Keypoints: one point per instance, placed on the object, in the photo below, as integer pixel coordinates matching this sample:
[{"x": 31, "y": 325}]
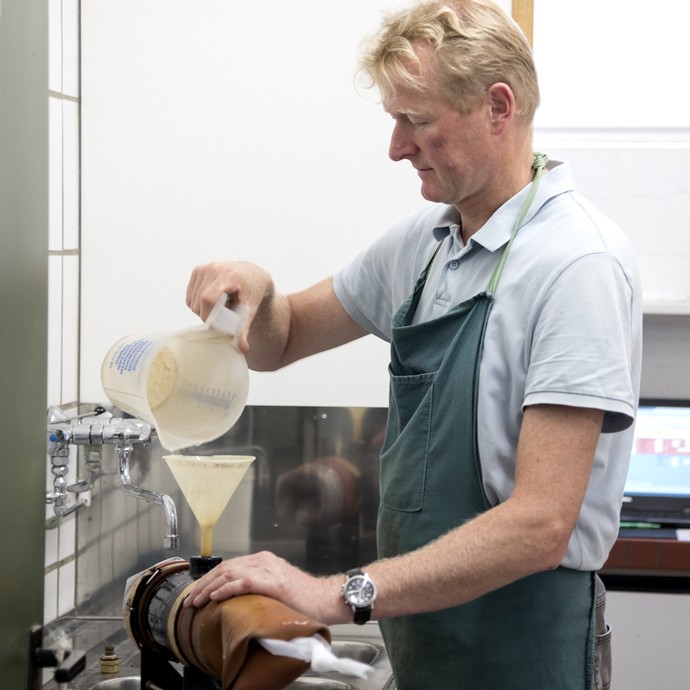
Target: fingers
[
  {"x": 207, "y": 283},
  {"x": 190, "y": 297},
  {"x": 257, "y": 574},
  {"x": 199, "y": 283},
  {"x": 217, "y": 585},
  {"x": 271, "y": 576}
]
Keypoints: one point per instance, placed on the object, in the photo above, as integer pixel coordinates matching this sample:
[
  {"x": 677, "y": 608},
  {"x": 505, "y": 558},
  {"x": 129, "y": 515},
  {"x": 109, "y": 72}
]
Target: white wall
[
  {"x": 650, "y": 640},
  {"x": 612, "y": 64},
  {"x": 233, "y": 131}
]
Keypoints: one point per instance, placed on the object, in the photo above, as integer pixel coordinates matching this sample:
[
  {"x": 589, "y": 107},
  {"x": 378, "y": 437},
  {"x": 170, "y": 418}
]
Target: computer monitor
[{"x": 657, "y": 488}]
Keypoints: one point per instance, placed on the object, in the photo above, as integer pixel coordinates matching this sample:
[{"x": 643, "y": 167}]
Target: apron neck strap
[{"x": 540, "y": 160}]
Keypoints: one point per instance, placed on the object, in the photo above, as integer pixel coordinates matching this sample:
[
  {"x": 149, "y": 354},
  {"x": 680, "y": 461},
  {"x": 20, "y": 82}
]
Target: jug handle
[{"x": 228, "y": 320}]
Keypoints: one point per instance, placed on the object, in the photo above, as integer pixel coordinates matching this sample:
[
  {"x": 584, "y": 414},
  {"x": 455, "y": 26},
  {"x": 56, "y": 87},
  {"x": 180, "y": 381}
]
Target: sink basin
[
  {"x": 126, "y": 683},
  {"x": 364, "y": 652},
  {"x": 134, "y": 683},
  {"x": 309, "y": 683},
  {"x": 347, "y": 643}
]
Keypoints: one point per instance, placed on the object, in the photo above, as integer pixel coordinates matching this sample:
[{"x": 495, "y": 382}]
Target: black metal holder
[
  {"x": 156, "y": 668},
  {"x": 200, "y": 565},
  {"x": 158, "y": 672}
]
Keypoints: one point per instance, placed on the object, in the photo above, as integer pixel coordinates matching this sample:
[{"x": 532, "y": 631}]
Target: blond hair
[{"x": 474, "y": 44}]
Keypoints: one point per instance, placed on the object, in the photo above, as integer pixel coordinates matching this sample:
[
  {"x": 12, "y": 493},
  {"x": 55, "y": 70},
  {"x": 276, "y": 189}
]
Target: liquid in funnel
[{"x": 208, "y": 483}]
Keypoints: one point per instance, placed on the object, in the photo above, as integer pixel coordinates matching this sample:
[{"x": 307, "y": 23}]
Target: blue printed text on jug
[{"x": 128, "y": 357}]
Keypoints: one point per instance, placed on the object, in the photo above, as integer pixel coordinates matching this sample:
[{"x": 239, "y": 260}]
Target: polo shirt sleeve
[
  {"x": 360, "y": 287},
  {"x": 580, "y": 353},
  {"x": 374, "y": 285}
]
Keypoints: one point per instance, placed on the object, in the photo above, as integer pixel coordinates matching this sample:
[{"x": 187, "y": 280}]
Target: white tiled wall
[{"x": 63, "y": 279}]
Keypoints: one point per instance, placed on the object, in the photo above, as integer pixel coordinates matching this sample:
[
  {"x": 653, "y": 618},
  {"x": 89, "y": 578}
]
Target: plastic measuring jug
[{"x": 191, "y": 385}]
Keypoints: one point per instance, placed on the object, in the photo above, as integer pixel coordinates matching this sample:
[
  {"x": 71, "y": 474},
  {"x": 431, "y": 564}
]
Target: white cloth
[
  {"x": 566, "y": 328},
  {"x": 318, "y": 653}
]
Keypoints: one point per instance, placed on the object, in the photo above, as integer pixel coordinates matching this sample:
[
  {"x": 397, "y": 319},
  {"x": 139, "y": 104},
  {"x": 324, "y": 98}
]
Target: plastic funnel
[{"x": 208, "y": 483}]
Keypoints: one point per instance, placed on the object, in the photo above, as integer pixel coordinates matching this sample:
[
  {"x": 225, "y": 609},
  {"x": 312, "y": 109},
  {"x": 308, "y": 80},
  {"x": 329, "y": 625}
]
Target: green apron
[{"x": 534, "y": 634}]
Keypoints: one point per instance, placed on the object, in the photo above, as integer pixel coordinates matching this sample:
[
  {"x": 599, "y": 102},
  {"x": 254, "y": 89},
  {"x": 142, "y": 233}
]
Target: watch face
[{"x": 360, "y": 590}]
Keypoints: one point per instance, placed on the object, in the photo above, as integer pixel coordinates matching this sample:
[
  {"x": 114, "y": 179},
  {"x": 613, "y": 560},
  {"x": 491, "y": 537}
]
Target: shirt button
[{"x": 453, "y": 265}]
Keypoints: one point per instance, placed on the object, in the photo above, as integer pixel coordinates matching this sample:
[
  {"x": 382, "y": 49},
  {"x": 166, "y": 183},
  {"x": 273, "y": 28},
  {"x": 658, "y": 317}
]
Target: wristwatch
[{"x": 359, "y": 592}]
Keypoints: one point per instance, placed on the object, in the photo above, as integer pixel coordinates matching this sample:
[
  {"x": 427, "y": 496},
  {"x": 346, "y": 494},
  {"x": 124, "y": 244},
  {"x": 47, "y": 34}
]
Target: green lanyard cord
[{"x": 540, "y": 160}]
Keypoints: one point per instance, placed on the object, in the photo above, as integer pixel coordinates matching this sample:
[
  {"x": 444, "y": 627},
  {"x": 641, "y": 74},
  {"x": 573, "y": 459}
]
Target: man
[{"x": 513, "y": 309}]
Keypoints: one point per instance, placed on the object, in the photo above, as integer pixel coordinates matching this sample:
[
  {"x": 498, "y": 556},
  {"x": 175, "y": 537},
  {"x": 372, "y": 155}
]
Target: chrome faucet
[
  {"x": 124, "y": 450},
  {"x": 59, "y": 437},
  {"x": 94, "y": 431}
]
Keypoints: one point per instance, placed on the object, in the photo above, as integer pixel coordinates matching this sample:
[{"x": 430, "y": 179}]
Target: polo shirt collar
[{"x": 496, "y": 231}]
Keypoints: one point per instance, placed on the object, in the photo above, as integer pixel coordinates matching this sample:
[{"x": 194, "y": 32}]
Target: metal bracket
[{"x": 68, "y": 665}]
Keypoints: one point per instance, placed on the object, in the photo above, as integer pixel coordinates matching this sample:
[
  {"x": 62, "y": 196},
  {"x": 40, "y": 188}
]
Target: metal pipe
[
  {"x": 93, "y": 465},
  {"x": 171, "y": 539},
  {"x": 59, "y": 461}
]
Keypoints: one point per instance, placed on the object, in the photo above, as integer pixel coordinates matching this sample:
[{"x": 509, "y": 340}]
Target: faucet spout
[{"x": 124, "y": 451}]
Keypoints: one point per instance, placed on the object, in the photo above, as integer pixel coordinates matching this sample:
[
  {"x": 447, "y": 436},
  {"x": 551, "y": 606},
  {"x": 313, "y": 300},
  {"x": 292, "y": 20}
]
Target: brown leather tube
[{"x": 220, "y": 639}]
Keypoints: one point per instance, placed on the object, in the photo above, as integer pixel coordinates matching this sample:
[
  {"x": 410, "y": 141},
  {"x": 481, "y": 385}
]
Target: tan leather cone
[{"x": 220, "y": 638}]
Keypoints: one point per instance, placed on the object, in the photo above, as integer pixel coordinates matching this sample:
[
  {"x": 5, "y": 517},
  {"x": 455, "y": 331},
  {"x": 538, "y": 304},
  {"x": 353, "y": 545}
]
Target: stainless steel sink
[
  {"x": 122, "y": 683},
  {"x": 366, "y": 652},
  {"x": 352, "y": 643},
  {"x": 318, "y": 684},
  {"x": 306, "y": 683},
  {"x": 362, "y": 644}
]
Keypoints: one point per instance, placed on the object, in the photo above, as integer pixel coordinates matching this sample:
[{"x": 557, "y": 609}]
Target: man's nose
[{"x": 401, "y": 146}]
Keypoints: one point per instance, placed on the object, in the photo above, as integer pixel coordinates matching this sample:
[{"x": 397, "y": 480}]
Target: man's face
[{"x": 448, "y": 149}]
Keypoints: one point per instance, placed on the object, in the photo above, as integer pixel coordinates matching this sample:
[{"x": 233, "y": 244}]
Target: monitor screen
[{"x": 658, "y": 481}]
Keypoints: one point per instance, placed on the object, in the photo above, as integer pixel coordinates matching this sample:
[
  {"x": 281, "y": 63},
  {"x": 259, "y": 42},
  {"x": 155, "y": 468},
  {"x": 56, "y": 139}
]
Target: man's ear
[{"x": 502, "y": 104}]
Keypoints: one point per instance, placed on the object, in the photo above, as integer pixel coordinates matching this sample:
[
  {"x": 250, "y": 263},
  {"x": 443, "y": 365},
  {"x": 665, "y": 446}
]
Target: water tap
[{"x": 94, "y": 431}]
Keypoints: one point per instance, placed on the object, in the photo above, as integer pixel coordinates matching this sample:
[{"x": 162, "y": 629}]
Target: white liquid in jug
[
  {"x": 191, "y": 385},
  {"x": 161, "y": 379}
]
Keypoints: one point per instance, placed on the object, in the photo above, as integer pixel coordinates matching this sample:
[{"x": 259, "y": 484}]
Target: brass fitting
[{"x": 110, "y": 662}]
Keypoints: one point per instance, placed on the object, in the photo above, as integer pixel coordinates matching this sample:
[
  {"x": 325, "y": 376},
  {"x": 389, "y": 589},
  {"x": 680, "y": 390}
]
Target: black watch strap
[{"x": 361, "y": 615}]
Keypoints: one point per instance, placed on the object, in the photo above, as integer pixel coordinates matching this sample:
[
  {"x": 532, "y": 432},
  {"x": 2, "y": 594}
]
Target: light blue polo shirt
[{"x": 566, "y": 327}]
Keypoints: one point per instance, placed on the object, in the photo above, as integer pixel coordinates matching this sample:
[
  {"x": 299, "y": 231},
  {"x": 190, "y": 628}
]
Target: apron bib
[{"x": 534, "y": 634}]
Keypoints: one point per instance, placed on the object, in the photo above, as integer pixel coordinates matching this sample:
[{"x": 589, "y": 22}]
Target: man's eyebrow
[{"x": 408, "y": 112}]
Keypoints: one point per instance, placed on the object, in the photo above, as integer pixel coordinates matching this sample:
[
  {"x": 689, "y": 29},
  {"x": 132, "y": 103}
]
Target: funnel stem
[{"x": 207, "y": 540}]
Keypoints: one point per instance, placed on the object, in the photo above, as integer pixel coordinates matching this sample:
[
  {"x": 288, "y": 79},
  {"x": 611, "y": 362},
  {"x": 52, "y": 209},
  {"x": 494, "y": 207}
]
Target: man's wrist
[{"x": 359, "y": 593}]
